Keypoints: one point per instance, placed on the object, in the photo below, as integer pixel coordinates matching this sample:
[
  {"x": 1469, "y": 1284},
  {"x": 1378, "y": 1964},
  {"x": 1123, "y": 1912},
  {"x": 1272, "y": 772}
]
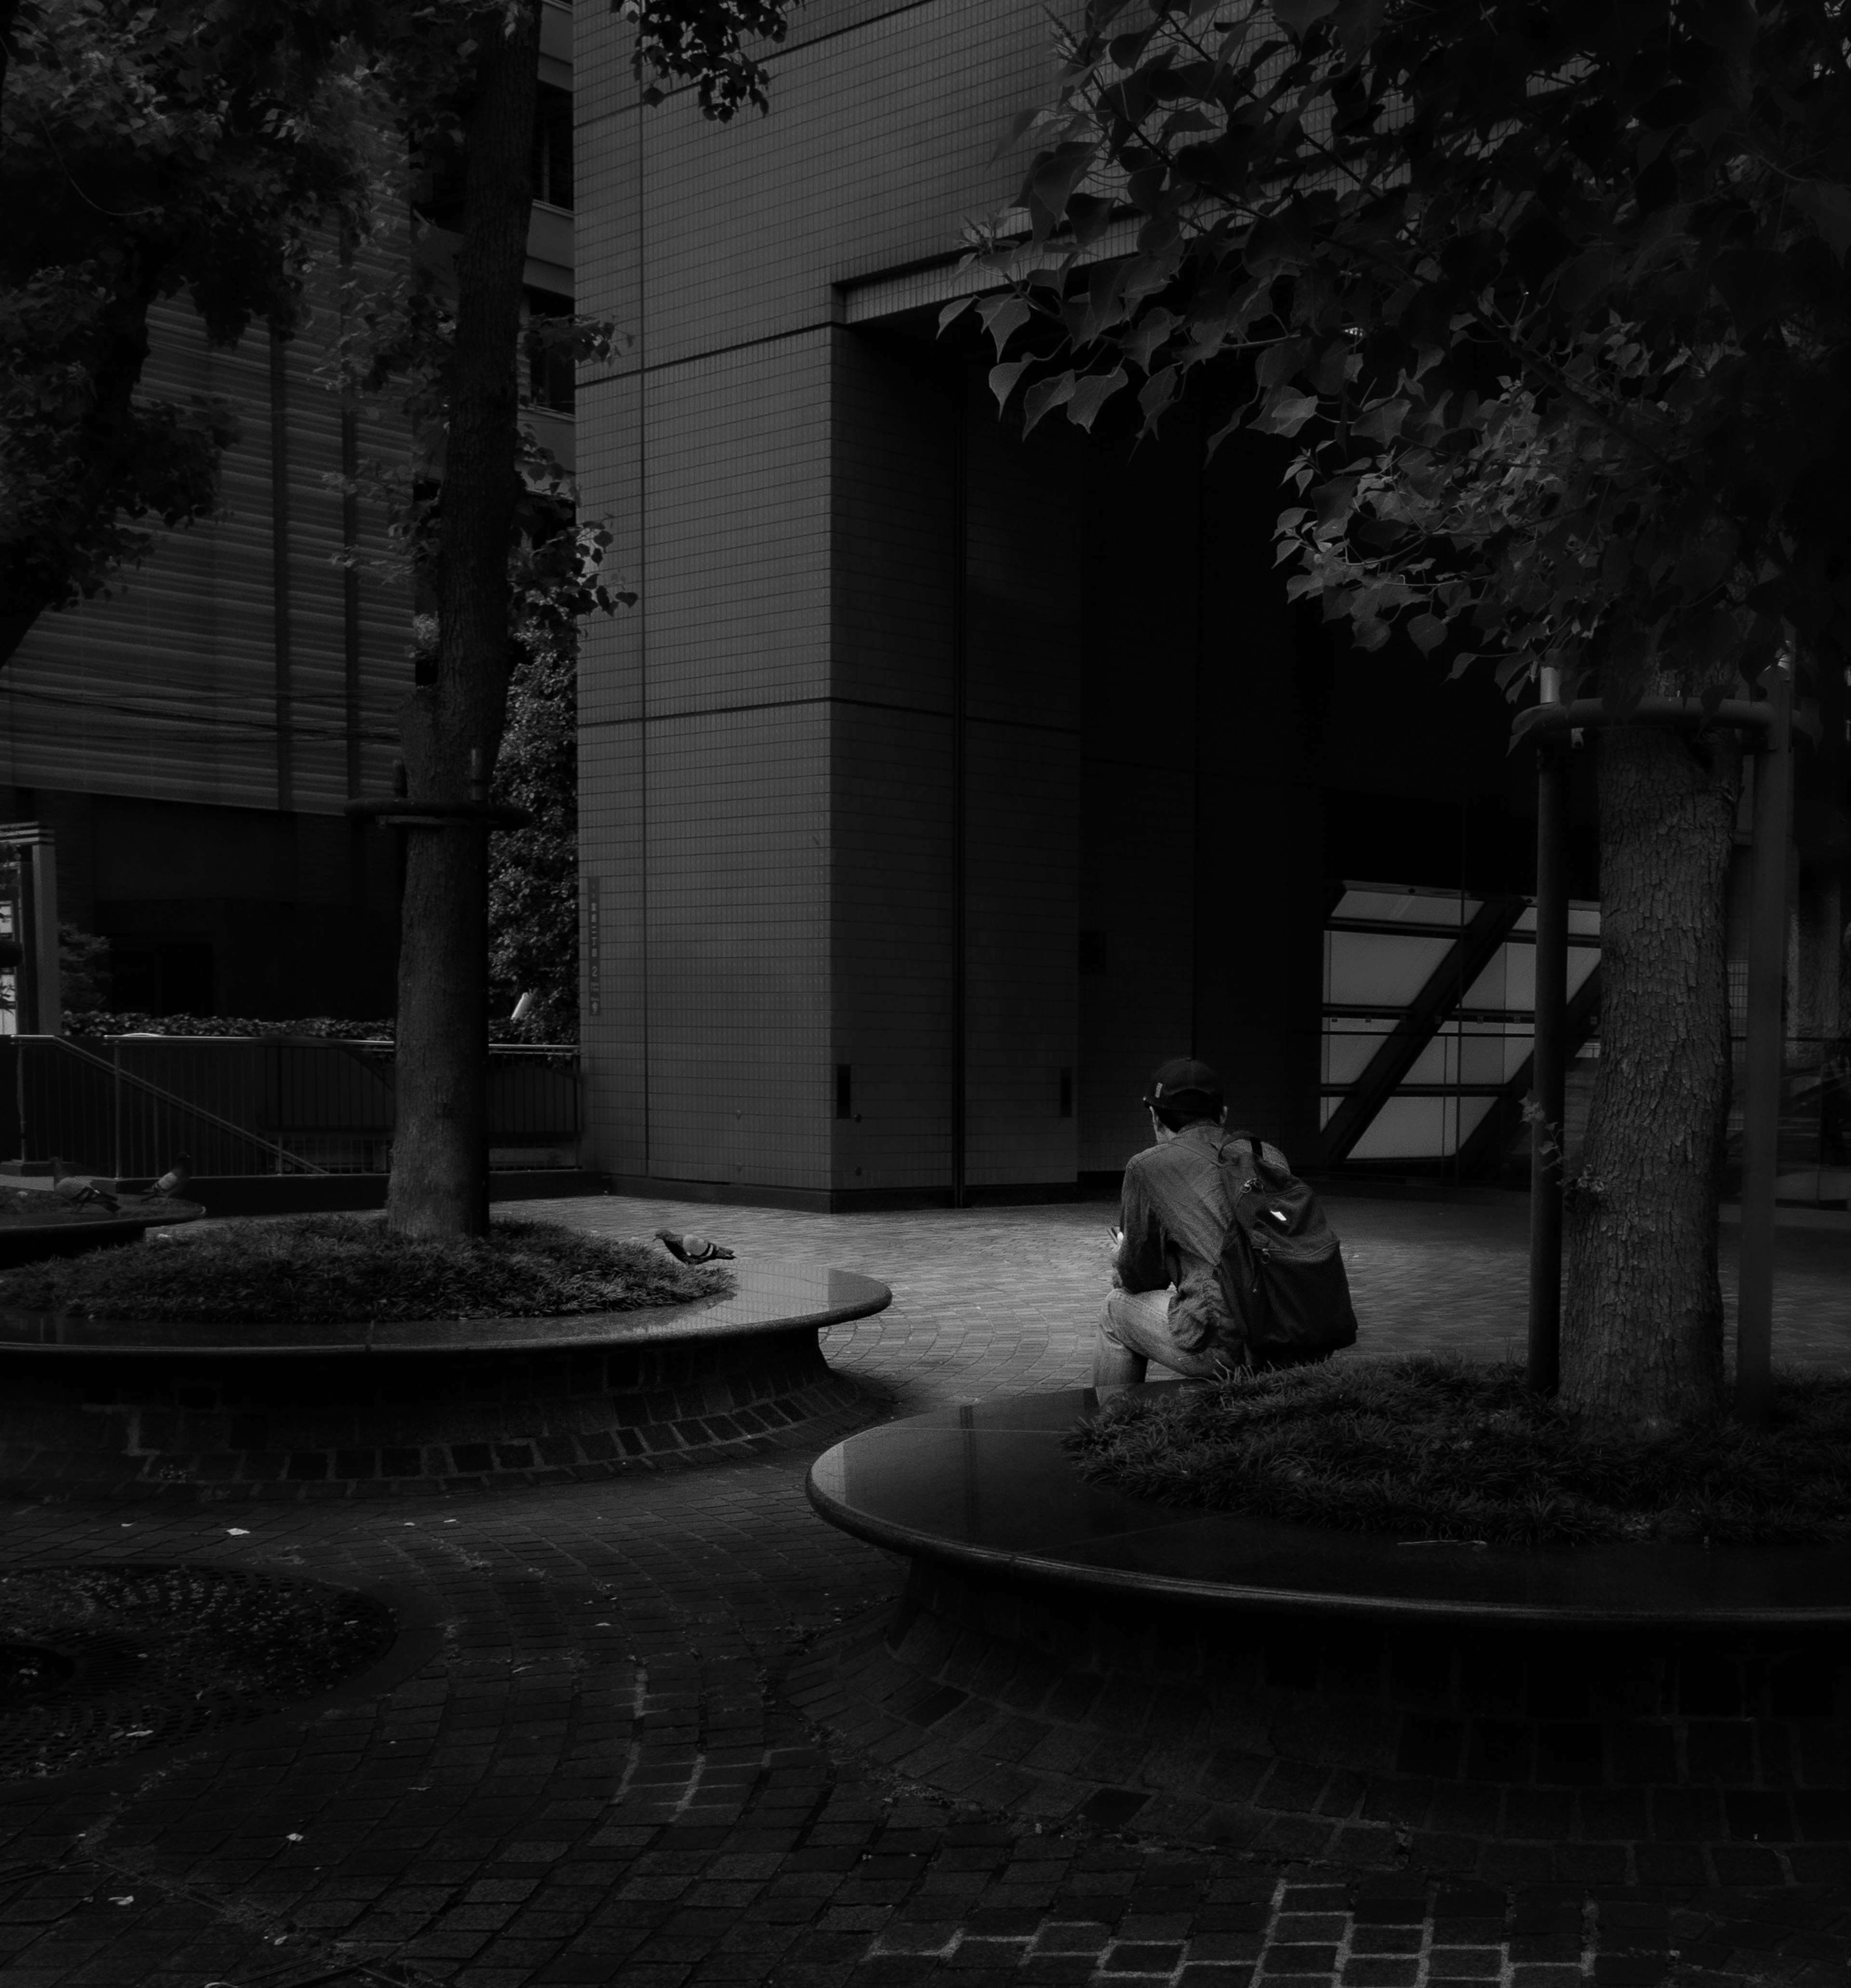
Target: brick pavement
[{"x": 592, "y": 1777}]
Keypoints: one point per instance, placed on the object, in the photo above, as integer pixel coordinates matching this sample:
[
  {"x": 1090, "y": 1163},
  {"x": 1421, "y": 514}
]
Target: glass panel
[
  {"x": 1348, "y": 1046},
  {"x": 1405, "y": 1128},
  {"x": 1416, "y": 907},
  {"x": 1378, "y": 969}
]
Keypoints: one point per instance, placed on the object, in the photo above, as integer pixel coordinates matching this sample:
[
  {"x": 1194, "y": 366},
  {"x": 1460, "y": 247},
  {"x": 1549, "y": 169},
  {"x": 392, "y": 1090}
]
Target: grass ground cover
[
  {"x": 1423, "y": 1447},
  {"x": 325, "y": 1270}
]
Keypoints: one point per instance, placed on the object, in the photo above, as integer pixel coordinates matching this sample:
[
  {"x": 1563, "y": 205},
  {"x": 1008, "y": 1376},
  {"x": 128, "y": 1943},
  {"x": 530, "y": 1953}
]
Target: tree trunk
[
  {"x": 1643, "y": 1330},
  {"x": 451, "y": 727}
]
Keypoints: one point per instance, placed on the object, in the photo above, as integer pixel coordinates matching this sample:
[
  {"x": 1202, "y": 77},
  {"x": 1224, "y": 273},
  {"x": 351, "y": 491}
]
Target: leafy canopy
[
  {"x": 1552, "y": 294},
  {"x": 146, "y": 149},
  {"x": 216, "y": 150}
]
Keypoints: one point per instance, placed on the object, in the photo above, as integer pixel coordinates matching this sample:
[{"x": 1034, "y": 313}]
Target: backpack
[{"x": 1281, "y": 1271}]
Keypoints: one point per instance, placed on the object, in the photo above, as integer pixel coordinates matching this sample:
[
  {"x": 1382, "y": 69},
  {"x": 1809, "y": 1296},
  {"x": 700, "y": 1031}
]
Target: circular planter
[
  {"x": 1633, "y": 1713},
  {"x": 111, "y": 1405},
  {"x": 25, "y": 1242}
]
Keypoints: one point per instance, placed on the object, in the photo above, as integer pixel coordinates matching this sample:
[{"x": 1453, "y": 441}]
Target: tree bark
[
  {"x": 451, "y": 727},
  {"x": 1643, "y": 1330}
]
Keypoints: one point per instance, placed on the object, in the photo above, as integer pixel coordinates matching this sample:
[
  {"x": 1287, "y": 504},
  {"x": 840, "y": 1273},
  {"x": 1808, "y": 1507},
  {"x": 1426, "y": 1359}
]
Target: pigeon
[
  {"x": 174, "y": 1180},
  {"x": 691, "y": 1249},
  {"x": 80, "y": 1189}
]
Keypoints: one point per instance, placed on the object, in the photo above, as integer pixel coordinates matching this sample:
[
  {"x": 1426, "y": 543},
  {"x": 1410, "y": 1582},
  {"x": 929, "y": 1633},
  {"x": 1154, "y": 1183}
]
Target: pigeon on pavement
[{"x": 691, "y": 1249}]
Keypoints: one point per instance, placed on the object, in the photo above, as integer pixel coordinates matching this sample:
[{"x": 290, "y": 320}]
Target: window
[
  {"x": 553, "y": 145},
  {"x": 551, "y": 369}
]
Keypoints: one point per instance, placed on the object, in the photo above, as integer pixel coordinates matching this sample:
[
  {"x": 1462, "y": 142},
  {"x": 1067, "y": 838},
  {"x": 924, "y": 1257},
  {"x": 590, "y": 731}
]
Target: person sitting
[{"x": 1174, "y": 1221}]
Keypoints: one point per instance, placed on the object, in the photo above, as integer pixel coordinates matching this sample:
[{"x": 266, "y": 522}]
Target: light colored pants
[{"x": 1134, "y": 1329}]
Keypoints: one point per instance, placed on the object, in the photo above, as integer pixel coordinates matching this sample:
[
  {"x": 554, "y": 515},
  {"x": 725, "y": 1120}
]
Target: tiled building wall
[
  {"x": 838, "y": 546},
  {"x": 705, "y": 820},
  {"x": 766, "y": 811}
]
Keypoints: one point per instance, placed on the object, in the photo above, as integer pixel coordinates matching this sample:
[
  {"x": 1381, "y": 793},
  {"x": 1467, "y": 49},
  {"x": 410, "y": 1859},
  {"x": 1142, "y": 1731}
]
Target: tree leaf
[
  {"x": 1296, "y": 16},
  {"x": 1582, "y": 282},
  {"x": 1092, "y": 394},
  {"x": 1023, "y": 122},
  {"x": 1003, "y": 317},
  {"x": 1827, "y": 206},
  {"x": 1754, "y": 283},
  {"x": 1089, "y": 216},
  {"x": 1280, "y": 361},
  {"x": 1043, "y": 396},
  {"x": 1003, "y": 379},
  {"x": 1427, "y": 632},
  {"x": 1286, "y": 412}
]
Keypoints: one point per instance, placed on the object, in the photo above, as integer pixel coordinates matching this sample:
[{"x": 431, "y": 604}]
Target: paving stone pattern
[{"x": 595, "y": 1778}]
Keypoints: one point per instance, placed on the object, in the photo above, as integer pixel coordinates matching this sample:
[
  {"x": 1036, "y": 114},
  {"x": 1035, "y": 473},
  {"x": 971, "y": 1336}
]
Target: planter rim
[
  {"x": 769, "y": 1296},
  {"x": 987, "y": 1487}
]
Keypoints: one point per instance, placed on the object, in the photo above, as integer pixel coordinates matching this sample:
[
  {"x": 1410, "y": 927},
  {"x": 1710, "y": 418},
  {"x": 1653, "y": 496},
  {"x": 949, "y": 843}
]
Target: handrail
[
  {"x": 176, "y": 1102},
  {"x": 1589, "y": 713}
]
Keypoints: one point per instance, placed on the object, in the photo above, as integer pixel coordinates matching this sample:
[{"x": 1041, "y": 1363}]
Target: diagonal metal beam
[
  {"x": 1482, "y": 1152},
  {"x": 1465, "y": 959}
]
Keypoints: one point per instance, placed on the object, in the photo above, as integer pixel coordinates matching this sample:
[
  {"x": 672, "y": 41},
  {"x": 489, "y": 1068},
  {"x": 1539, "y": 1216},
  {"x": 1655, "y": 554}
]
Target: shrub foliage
[
  {"x": 1431, "y": 1448},
  {"x": 327, "y": 1270}
]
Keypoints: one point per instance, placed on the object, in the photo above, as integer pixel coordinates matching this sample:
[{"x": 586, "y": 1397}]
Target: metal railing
[{"x": 127, "y": 1105}]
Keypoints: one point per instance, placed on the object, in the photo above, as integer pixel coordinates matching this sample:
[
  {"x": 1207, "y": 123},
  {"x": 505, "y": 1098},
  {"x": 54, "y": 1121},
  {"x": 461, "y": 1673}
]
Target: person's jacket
[{"x": 1176, "y": 1209}]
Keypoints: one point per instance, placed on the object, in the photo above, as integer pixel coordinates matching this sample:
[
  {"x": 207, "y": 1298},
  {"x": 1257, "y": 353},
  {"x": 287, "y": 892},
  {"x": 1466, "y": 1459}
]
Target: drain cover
[{"x": 103, "y": 1661}]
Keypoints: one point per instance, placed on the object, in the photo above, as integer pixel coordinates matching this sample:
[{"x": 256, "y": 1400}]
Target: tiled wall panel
[
  {"x": 611, "y": 476},
  {"x": 896, "y": 412},
  {"x": 737, "y": 936},
  {"x": 709, "y": 695},
  {"x": 613, "y": 862},
  {"x": 734, "y": 566},
  {"x": 891, "y": 953},
  {"x": 877, "y": 146}
]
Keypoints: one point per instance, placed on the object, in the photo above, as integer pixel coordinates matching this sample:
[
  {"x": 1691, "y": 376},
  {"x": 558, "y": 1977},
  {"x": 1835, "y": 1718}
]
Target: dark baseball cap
[{"x": 1185, "y": 1084}]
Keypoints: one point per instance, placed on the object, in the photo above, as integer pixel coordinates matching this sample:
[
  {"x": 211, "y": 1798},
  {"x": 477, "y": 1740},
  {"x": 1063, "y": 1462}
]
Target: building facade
[
  {"x": 192, "y": 737},
  {"x": 943, "y": 783}
]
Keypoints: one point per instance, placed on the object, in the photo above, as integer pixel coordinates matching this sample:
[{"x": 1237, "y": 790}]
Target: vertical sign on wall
[
  {"x": 591, "y": 939},
  {"x": 29, "y": 930}
]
